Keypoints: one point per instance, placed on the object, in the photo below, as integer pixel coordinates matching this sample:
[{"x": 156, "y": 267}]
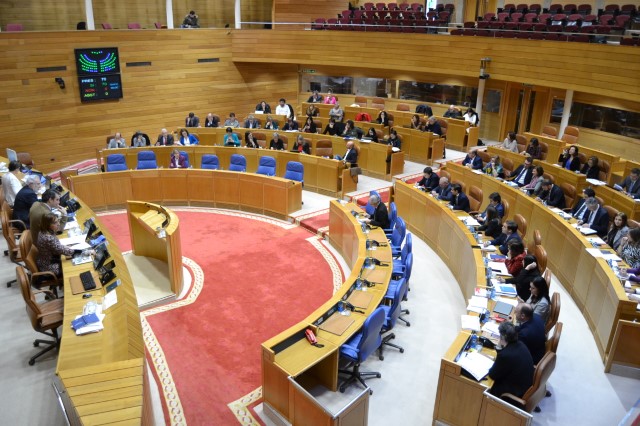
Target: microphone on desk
[
  {"x": 374, "y": 243},
  {"x": 374, "y": 261},
  {"x": 352, "y": 308}
]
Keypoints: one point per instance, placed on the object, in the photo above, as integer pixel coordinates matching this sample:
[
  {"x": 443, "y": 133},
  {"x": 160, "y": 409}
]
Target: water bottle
[
  {"x": 474, "y": 341},
  {"x": 358, "y": 284},
  {"x": 493, "y": 293}
]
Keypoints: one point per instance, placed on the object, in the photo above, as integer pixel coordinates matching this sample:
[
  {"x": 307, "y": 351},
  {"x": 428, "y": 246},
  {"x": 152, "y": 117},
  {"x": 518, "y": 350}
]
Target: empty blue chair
[
  {"x": 368, "y": 207},
  {"x": 399, "y": 265},
  {"x": 393, "y": 216},
  {"x": 210, "y": 161},
  {"x": 147, "y": 160},
  {"x": 238, "y": 163},
  {"x": 392, "y": 313},
  {"x": 267, "y": 166},
  {"x": 360, "y": 346},
  {"x": 294, "y": 171},
  {"x": 116, "y": 163},
  {"x": 393, "y": 284},
  {"x": 397, "y": 236}
]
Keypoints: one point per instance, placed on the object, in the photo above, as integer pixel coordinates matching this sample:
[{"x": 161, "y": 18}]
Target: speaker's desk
[{"x": 289, "y": 362}]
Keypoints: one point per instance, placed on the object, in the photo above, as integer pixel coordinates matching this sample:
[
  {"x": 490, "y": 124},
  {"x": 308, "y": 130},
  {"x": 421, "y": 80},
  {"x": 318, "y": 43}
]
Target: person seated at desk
[
  {"x": 394, "y": 141},
  {"x": 522, "y": 281},
  {"x": 283, "y": 109},
  {"x": 187, "y": 139},
  {"x": 270, "y": 123},
  {"x": 531, "y": 329},
  {"x": 580, "y": 208},
  {"x": 629, "y": 249},
  {"x": 192, "y": 120},
  {"x": 177, "y": 160},
  {"x": 523, "y": 173},
  {"x": 459, "y": 200},
  {"x": 433, "y": 126},
  {"x": 315, "y": 98},
  {"x": 534, "y": 187},
  {"x": 291, "y": 125},
  {"x": 11, "y": 183},
  {"x": 443, "y": 190},
  {"x": 264, "y": 107},
  {"x": 591, "y": 168},
  {"x": 336, "y": 113},
  {"x": 380, "y": 216},
  {"x": 634, "y": 274},
  {"x": 49, "y": 247},
  {"x": 494, "y": 168},
  {"x": 631, "y": 184},
  {"x": 50, "y": 204},
  {"x": 312, "y": 111},
  {"x": 383, "y": 118},
  {"x": 533, "y": 149},
  {"x": 230, "y": 138},
  {"x": 515, "y": 257},
  {"x": 471, "y": 117},
  {"x": 351, "y": 131},
  {"x": 301, "y": 145},
  {"x": 509, "y": 232},
  {"x": 140, "y": 139},
  {"x": 472, "y": 160},
  {"x": 429, "y": 179},
  {"x": 510, "y": 143},
  {"x": 372, "y": 135},
  {"x": 231, "y": 121},
  {"x": 331, "y": 128},
  {"x": 416, "y": 123},
  {"x": 617, "y": 231},
  {"x": 495, "y": 201},
  {"x": 452, "y": 112},
  {"x": 251, "y": 122},
  {"x": 276, "y": 143},
  {"x": 491, "y": 226},
  {"x": 211, "y": 121},
  {"x": 539, "y": 299},
  {"x": 250, "y": 141},
  {"x": 569, "y": 159},
  {"x": 330, "y": 99},
  {"x": 512, "y": 371},
  {"x": 596, "y": 217},
  {"x": 165, "y": 138},
  {"x": 191, "y": 20},
  {"x": 552, "y": 195},
  {"x": 350, "y": 156},
  {"x": 117, "y": 141},
  {"x": 25, "y": 198}
]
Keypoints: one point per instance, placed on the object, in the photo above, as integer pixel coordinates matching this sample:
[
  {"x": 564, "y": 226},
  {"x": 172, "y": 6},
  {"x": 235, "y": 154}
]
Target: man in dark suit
[
  {"x": 351, "y": 156},
  {"x": 631, "y": 184},
  {"x": 25, "y": 198},
  {"x": 251, "y": 122},
  {"x": 596, "y": 217},
  {"x": 509, "y": 232},
  {"x": 165, "y": 138},
  {"x": 192, "y": 121},
  {"x": 512, "y": 372},
  {"x": 276, "y": 143},
  {"x": 443, "y": 190},
  {"x": 523, "y": 173},
  {"x": 472, "y": 160},
  {"x": 429, "y": 179},
  {"x": 380, "y": 215},
  {"x": 531, "y": 331},
  {"x": 50, "y": 204},
  {"x": 433, "y": 126},
  {"x": 459, "y": 200},
  {"x": 580, "y": 208},
  {"x": 552, "y": 195}
]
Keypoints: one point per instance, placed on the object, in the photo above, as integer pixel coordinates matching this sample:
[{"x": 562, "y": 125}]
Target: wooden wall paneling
[
  {"x": 119, "y": 13},
  {"x": 299, "y": 11}
]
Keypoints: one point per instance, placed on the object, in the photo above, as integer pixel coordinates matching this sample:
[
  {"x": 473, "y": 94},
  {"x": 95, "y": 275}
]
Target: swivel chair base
[
  {"x": 386, "y": 340},
  {"x": 51, "y": 344},
  {"x": 357, "y": 375},
  {"x": 401, "y": 317}
]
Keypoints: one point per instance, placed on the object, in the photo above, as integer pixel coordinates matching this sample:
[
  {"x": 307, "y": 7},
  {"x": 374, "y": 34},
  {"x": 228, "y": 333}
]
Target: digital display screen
[
  {"x": 102, "y": 87},
  {"x": 99, "y": 60}
]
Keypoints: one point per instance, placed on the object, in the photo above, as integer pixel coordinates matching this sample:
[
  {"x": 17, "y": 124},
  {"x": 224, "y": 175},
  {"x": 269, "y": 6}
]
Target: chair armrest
[
  {"x": 45, "y": 274},
  {"x": 514, "y": 398},
  {"x": 18, "y": 221},
  {"x": 45, "y": 292}
]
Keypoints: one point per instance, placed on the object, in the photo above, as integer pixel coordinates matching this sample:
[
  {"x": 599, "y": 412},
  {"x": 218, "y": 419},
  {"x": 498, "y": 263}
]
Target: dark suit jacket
[
  {"x": 512, "y": 371},
  {"x": 492, "y": 228},
  {"x": 430, "y": 183},
  {"x": 434, "y": 128},
  {"x": 504, "y": 247},
  {"x": 381, "y": 217},
  {"x": 522, "y": 282},
  {"x": 600, "y": 222},
  {"x": 21, "y": 206},
  {"x": 627, "y": 185},
  {"x": 591, "y": 172},
  {"x": 531, "y": 333},
  {"x": 277, "y": 145},
  {"x": 554, "y": 197},
  {"x": 213, "y": 123},
  {"x": 169, "y": 140},
  {"x": 351, "y": 156},
  {"x": 193, "y": 122},
  {"x": 252, "y": 124},
  {"x": 292, "y": 126},
  {"x": 461, "y": 202},
  {"x": 444, "y": 193},
  {"x": 527, "y": 177},
  {"x": 576, "y": 209},
  {"x": 575, "y": 163},
  {"x": 476, "y": 162}
]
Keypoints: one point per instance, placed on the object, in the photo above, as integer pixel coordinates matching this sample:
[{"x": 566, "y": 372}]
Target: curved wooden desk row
[
  {"x": 609, "y": 196},
  {"x": 289, "y": 354},
  {"x": 273, "y": 196},
  {"x": 101, "y": 377},
  {"x": 372, "y": 158}
]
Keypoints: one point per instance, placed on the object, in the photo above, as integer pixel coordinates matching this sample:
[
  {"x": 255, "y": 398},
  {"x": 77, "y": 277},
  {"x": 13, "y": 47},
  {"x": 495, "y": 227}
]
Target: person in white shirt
[
  {"x": 283, "y": 108},
  {"x": 10, "y": 182},
  {"x": 510, "y": 143}
]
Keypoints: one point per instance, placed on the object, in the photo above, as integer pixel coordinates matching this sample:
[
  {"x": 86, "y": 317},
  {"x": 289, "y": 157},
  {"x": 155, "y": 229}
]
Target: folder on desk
[
  {"x": 475, "y": 364},
  {"x": 360, "y": 299},
  {"x": 337, "y": 324}
]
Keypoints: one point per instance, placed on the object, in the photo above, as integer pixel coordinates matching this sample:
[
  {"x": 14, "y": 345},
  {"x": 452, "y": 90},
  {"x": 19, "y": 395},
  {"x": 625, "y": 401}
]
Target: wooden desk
[
  {"x": 272, "y": 196},
  {"x": 144, "y": 221},
  {"x": 457, "y": 137},
  {"x": 289, "y": 354},
  {"x": 621, "y": 170},
  {"x": 619, "y": 201},
  {"x": 418, "y": 145}
]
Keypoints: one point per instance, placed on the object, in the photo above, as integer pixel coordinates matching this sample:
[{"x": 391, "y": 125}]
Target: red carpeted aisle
[{"x": 259, "y": 279}]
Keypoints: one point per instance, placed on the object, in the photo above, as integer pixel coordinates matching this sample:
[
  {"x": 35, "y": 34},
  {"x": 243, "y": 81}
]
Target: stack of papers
[
  {"x": 475, "y": 364},
  {"x": 489, "y": 248},
  {"x": 499, "y": 267},
  {"x": 506, "y": 290},
  {"x": 469, "y": 221},
  {"x": 596, "y": 240},
  {"x": 477, "y": 304},
  {"x": 596, "y": 182},
  {"x": 509, "y": 301},
  {"x": 587, "y": 231},
  {"x": 92, "y": 327},
  {"x": 481, "y": 292},
  {"x": 470, "y": 322},
  {"x": 491, "y": 327},
  {"x": 511, "y": 183}
]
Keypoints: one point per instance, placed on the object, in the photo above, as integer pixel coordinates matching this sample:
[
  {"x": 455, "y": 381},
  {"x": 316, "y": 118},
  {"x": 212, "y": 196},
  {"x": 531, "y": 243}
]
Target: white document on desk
[
  {"x": 72, "y": 240},
  {"x": 596, "y": 240},
  {"x": 470, "y": 322},
  {"x": 71, "y": 224},
  {"x": 499, "y": 267},
  {"x": 596, "y": 182},
  {"x": 595, "y": 252},
  {"x": 475, "y": 364},
  {"x": 469, "y": 221},
  {"x": 587, "y": 231},
  {"x": 109, "y": 300},
  {"x": 491, "y": 327},
  {"x": 508, "y": 300},
  {"x": 611, "y": 256},
  {"x": 489, "y": 248}
]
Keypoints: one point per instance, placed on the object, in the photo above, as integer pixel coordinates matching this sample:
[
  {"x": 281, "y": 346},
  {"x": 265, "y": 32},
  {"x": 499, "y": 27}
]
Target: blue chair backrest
[
  {"x": 238, "y": 163},
  {"x": 408, "y": 265},
  {"x": 116, "y": 163},
  {"x": 371, "y": 338},
  {"x": 406, "y": 249},
  {"x": 210, "y": 161},
  {"x": 267, "y": 166},
  {"x": 147, "y": 160},
  {"x": 395, "y": 310},
  {"x": 368, "y": 207},
  {"x": 393, "y": 214},
  {"x": 398, "y": 232},
  {"x": 295, "y": 171},
  {"x": 186, "y": 157}
]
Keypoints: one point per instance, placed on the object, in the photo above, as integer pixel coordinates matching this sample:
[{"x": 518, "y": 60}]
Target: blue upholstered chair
[
  {"x": 186, "y": 157},
  {"x": 210, "y": 161},
  {"x": 368, "y": 207},
  {"x": 393, "y": 216},
  {"x": 360, "y": 346},
  {"x": 267, "y": 166},
  {"x": 405, "y": 276},
  {"x": 238, "y": 163},
  {"x": 116, "y": 163},
  {"x": 397, "y": 237},
  {"x": 294, "y": 171},
  {"x": 147, "y": 160},
  {"x": 399, "y": 265},
  {"x": 392, "y": 313}
]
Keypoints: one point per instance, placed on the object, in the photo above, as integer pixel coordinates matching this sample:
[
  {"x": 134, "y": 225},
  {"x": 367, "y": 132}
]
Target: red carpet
[
  {"x": 259, "y": 279},
  {"x": 318, "y": 223},
  {"x": 363, "y": 198}
]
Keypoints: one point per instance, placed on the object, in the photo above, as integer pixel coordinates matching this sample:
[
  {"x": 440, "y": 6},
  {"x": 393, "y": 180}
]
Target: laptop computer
[{"x": 502, "y": 309}]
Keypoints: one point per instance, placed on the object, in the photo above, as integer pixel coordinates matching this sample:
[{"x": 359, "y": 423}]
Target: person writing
[
  {"x": 512, "y": 371},
  {"x": 301, "y": 145},
  {"x": 191, "y": 20},
  {"x": 443, "y": 190},
  {"x": 551, "y": 195},
  {"x": 631, "y": 184},
  {"x": 372, "y": 135},
  {"x": 472, "y": 160},
  {"x": 49, "y": 247},
  {"x": 380, "y": 216},
  {"x": 596, "y": 217},
  {"x": 429, "y": 179},
  {"x": 276, "y": 143},
  {"x": 10, "y": 182},
  {"x": 533, "y": 149},
  {"x": 331, "y": 128},
  {"x": 177, "y": 161},
  {"x": 230, "y": 138}
]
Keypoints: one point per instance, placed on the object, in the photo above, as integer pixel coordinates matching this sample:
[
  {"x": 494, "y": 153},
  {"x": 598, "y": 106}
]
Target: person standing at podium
[{"x": 512, "y": 372}]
